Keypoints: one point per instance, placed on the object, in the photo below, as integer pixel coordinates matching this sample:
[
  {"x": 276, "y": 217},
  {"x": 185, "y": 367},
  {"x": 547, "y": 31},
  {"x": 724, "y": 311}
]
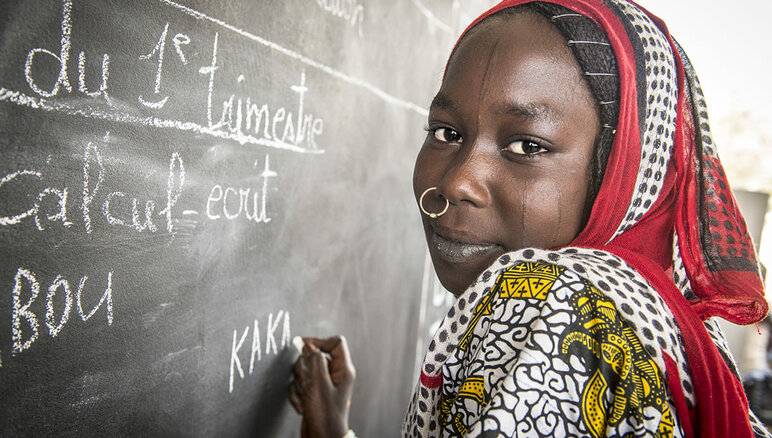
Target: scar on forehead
[{"x": 486, "y": 78}]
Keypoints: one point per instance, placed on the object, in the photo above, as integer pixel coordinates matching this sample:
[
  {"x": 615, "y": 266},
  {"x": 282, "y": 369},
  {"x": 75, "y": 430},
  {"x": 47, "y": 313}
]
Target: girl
[{"x": 574, "y": 203}]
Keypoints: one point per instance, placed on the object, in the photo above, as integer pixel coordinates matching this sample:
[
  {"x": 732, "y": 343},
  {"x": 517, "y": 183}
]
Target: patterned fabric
[
  {"x": 564, "y": 363},
  {"x": 607, "y": 337},
  {"x": 517, "y": 353}
]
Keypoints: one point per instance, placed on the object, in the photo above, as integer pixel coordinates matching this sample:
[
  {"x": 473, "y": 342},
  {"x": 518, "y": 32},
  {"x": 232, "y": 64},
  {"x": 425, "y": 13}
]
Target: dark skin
[
  {"x": 322, "y": 386},
  {"x": 510, "y": 139}
]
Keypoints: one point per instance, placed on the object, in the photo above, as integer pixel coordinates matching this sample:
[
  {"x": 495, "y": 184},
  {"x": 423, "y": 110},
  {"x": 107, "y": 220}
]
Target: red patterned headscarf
[
  {"x": 663, "y": 174},
  {"x": 665, "y": 209}
]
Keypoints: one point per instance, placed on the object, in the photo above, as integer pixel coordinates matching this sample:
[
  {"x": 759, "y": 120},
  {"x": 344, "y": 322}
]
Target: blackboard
[{"x": 184, "y": 186}]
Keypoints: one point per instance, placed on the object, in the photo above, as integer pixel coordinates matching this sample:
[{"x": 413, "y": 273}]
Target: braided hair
[{"x": 593, "y": 51}]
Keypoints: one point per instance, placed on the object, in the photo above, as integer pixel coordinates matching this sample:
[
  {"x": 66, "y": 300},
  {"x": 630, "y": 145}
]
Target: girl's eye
[
  {"x": 446, "y": 135},
  {"x": 525, "y": 147}
]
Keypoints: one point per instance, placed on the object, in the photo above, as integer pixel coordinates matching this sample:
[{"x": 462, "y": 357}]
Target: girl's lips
[{"x": 459, "y": 252}]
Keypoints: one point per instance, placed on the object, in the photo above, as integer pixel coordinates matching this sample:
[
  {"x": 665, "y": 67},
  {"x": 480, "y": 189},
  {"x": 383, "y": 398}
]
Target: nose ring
[{"x": 421, "y": 204}]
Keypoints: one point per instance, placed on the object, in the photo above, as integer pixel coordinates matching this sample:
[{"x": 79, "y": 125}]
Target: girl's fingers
[
  {"x": 318, "y": 367},
  {"x": 295, "y": 397}
]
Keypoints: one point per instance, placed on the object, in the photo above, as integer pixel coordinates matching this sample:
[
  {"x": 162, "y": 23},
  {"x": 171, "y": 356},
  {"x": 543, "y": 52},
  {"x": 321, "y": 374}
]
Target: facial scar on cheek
[{"x": 556, "y": 231}]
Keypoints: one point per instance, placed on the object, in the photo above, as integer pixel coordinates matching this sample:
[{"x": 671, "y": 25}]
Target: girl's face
[{"x": 511, "y": 136}]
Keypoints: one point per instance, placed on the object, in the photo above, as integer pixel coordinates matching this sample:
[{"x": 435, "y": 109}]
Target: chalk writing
[
  {"x": 54, "y": 327},
  {"x": 35, "y": 210},
  {"x": 62, "y": 57},
  {"x": 241, "y": 117},
  {"x": 15, "y": 219},
  {"x": 173, "y": 189},
  {"x": 141, "y": 214},
  {"x": 88, "y": 191},
  {"x": 78, "y": 108},
  {"x": 282, "y": 319},
  {"x": 26, "y": 286},
  {"x": 82, "y": 77},
  {"x": 179, "y": 40},
  {"x": 159, "y": 48},
  {"x": 351, "y": 11},
  {"x": 225, "y": 199}
]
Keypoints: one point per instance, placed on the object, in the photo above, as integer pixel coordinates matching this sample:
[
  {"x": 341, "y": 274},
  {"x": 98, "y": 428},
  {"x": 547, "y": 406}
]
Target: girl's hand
[{"x": 322, "y": 386}]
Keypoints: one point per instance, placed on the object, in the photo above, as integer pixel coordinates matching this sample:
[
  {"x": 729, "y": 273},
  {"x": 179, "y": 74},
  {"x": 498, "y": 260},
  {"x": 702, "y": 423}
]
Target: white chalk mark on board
[
  {"x": 234, "y": 107},
  {"x": 255, "y": 347},
  {"x": 180, "y": 40},
  {"x": 158, "y": 48},
  {"x": 235, "y": 357},
  {"x": 154, "y": 105},
  {"x": 82, "y": 77},
  {"x": 136, "y": 221},
  {"x": 270, "y": 339},
  {"x": 50, "y": 204},
  {"x": 64, "y": 54},
  {"x": 22, "y": 311},
  {"x": 15, "y": 219},
  {"x": 305, "y": 60},
  {"x": 112, "y": 220},
  {"x": 212, "y": 197},
  {"x": 22, "y": 99},
  {"x": 286, "y": 338},
  {"x": 305, "y": 127},
  {"x": 88, "y": 191},
  {"x": 173, "y": 189},
  {"x": 190, "y": 213},
  {"x": 61, "y": 215},
  {"x": 267, "y": 173},
  {"x": 431, "y": 17},
  {"x": 351, "y": 11},
  {"x": 225, "y": 199},
  {"x": 62, "y": 203},
  {"x": 107, "y": 299},
  {"x": 55, "y": 327},
  {"x": 210, "y": 70},
  {"x": 281, "y": 319}
]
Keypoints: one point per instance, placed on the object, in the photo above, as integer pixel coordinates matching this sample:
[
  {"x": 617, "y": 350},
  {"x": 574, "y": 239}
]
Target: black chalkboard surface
[{"x": 185, "y": 185}]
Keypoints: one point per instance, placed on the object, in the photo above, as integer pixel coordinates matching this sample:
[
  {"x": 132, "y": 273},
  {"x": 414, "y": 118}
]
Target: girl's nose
[{"x": 465, "y": 180}]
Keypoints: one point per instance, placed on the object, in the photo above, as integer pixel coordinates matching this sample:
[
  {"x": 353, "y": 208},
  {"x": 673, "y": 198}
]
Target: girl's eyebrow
[
  {"x": 533, "y": 111},
  {"x": 443, "y": 102}
]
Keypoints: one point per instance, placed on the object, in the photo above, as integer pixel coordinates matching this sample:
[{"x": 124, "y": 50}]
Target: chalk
[{"x": 297, "y": 341}]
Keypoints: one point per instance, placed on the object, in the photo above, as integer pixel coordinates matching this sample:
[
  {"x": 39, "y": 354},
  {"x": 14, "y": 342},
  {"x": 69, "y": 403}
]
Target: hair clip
[
  {"x": 565, "y": 15},
  {"x": 600, "y": 43}
]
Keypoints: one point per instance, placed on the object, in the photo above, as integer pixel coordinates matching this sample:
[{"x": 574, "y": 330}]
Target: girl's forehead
[
  {"x": 523, "y": 51},
  {"x": 526, "y": 30},
  {"x": 498, "y": 26}
]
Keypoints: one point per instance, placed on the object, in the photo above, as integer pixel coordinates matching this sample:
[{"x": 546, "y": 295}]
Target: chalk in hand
[{"x": 297, "y": 341}]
